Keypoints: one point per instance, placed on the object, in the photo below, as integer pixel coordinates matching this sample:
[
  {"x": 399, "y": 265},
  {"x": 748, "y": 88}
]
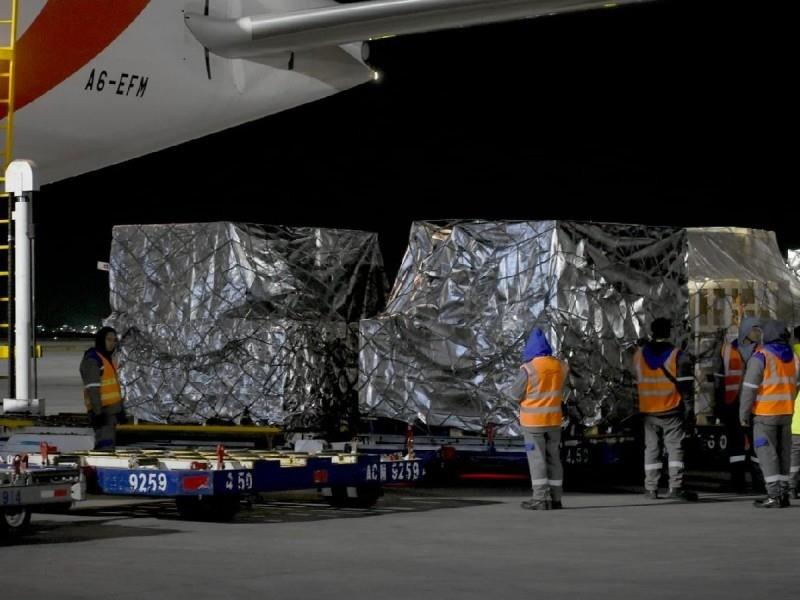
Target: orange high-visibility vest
[
  {"x": 110, "y": 390},
  {"x": 544, "y": 393},
  {"x": 778, "y": 389},
  {"x": 733, "y": 368},
  {"x": 657, "y": 392}
]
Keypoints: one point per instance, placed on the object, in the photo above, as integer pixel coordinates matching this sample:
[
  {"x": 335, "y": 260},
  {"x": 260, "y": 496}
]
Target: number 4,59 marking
[{"x": 241, "y": 480}]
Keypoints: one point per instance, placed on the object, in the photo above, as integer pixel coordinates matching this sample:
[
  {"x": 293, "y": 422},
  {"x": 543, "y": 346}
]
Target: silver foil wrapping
[
  {"x": 226, "y": 320},
  {"x": 449, "y": 344},
  {"x": 793, "y": 260},
  {"x": 733, "y": 273}
]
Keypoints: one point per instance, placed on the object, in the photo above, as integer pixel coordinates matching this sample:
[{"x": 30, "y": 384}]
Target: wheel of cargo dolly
[
  {"x": 208, "y": 508},
  {"x": 14, "y": 521},
  {"x": 367, "y": 497}
]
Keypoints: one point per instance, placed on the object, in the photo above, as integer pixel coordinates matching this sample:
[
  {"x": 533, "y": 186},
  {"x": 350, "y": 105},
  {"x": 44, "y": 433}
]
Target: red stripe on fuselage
[{"x": 65, "y": 36}]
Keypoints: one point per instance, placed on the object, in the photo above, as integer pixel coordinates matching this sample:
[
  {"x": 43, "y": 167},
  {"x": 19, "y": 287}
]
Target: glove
[{"x": 122, "y": 418}]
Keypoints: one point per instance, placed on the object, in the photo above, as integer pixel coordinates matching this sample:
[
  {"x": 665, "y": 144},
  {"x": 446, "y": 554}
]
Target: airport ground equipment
[{"x": 36, "y": 482}]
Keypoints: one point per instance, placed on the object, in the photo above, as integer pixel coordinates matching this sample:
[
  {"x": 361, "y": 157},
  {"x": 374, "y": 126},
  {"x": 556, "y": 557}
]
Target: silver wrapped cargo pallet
[
  {"x": 229, "y": 321},
  {"x": 733, "y": 273},
  {"x": 468, "y": 293}
]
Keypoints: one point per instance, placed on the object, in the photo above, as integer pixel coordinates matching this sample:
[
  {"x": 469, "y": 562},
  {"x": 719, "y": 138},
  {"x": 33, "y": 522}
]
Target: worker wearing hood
[
  {"x": 665, "y": 384},
  {"x": 102, "y": 393},
  {"x": 767, "y": 399},
  {"x": 539, "y": 389},
  {"x": 729, "y": 365}
]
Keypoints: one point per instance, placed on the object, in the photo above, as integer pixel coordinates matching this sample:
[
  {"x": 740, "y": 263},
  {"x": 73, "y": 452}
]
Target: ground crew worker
[
  {"x": 539, "y": 388},
  {"x": 768, "y": 393},
  {"x": 665, "y": 384},
  {"x": 728, "y": 366},
  {"x": 794, "y": 471},
  {"x": 101, "y": 389}
]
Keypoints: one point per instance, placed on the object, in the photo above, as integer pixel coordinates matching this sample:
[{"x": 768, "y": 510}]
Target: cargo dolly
[
  {"x": 211, "y": 485},
  {"x": 30, "y": 483}
]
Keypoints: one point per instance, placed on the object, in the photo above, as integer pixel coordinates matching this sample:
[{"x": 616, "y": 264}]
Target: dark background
[{"x": 673, "y": 113}]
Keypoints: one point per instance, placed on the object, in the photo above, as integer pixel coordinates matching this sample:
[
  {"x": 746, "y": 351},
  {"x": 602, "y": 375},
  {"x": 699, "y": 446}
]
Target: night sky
[{"x": 674, "y": 113}]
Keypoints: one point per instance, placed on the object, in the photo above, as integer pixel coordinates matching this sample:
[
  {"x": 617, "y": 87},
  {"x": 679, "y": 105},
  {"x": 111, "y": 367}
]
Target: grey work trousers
[
  {"x": 671, "y": 428},
  {"x": 105, "y": 434},
  {"x": 773, "y": 445},
  {"x": 544, "y": 460},
  {"x": 794, "y": 471}
]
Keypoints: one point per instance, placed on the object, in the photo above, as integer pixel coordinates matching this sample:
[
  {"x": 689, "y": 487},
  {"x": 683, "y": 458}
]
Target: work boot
[
  {"x": 768, "y": 502},
  {"x": 651, "y": 494},
  {"x": 556, "y": 505},
  {"x": 785, "y": 502},
  {"x": 681, "y": 494},
  {"x": 535, "y": 504}
]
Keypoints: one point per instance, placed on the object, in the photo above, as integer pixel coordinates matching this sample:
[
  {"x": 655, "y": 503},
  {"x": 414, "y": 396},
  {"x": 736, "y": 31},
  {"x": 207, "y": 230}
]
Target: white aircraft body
[{"x": 103, "y": 81}]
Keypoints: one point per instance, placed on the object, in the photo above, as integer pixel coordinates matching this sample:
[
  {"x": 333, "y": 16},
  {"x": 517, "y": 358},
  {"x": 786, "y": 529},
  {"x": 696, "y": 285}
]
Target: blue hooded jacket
[
  {"x": 656, "y": 353},
  {"x": 775, "y": 342},
  {"x": 536, "y": 346}
]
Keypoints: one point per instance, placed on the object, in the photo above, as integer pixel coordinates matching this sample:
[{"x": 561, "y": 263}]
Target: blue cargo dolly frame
[
  {"x": 217, "y": 493},
  {"x": 590, "y": 458}
]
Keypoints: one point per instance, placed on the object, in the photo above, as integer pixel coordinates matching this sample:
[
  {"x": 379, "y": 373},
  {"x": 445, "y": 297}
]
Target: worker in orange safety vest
[
  {"x": 768, "y": 394},
  {"x": 539, "y": 389},
  {"x": 102, "y": 393},
  {"x": 665, "y": 385},
  {"x": 728, "y": 366}
]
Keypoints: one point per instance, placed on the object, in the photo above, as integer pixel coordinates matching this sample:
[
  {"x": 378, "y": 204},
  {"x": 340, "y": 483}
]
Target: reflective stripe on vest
[
  {"x": 733, "y": 367},
  {"x": 778, "y": 390},
  {"x": 110, "y": 391},
  {"x": 544, "y": 392},
  {"x": 657, "y": 393}
]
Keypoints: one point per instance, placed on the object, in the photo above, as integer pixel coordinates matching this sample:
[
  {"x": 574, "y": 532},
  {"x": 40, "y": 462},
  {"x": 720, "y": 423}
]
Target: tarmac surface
[
  {"x": 415, "y": 543},
  {"x": 59, "y": 382},
  {"x": 456, "y": 543}
]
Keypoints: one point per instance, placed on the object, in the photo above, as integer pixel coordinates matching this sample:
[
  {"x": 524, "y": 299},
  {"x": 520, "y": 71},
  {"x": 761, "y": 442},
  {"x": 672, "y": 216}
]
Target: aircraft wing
[{"x": 282, "y": 30}]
